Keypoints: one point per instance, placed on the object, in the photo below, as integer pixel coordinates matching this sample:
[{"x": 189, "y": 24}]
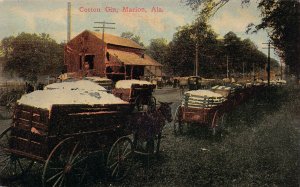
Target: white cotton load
[
  {"x": 97, "y": 79},
  {"x": 83, "y": 85},
  {"x": 128, "y": 83},
  {"x": 69, "y": 94},
  {"x": 202, "y": 99},
  {"x": 281, "y": 81},
  {"x": 217, "y": 87},
  {"x": 203, "y": 93}
]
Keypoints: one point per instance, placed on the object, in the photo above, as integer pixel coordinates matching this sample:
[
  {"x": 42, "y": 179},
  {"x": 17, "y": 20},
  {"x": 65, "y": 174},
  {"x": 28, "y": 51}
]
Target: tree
[
  {"x": 158, "y": 50},
  {"x": 6, "y": 46},
  {"x": 212, "y": 52},
  {"x": 279, "y": 17},
  {"x": 30, "y": 55},
  {"x": 281, "y": 20},
  {"x": 182, "y": 52},
  {"x": 131, "y": 36},
  {"x": 183, "y": 49}
]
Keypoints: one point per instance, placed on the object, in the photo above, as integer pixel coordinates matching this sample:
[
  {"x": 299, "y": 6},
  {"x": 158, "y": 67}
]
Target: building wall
[
  {"x": 84, "y": 44},
  {"x": 89, "y": 44}
]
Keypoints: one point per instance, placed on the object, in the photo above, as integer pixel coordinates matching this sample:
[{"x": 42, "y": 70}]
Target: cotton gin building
[{"x": 116, "y": 58}]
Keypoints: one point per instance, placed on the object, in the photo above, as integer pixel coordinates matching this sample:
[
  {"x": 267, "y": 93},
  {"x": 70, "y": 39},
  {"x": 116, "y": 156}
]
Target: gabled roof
[
  {"x": 133, "y": 59},
  {"x": 117, "y": 40}
]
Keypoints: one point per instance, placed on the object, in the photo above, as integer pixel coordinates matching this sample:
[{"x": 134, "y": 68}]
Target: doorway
[{"x": 90, "y": 60}]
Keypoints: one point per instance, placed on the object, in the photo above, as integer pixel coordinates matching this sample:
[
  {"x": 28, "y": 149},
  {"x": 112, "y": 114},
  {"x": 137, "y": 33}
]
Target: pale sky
[{"x": 50, "y": 16}]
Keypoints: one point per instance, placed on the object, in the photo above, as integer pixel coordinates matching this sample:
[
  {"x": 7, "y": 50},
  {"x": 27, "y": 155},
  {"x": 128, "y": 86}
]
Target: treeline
[
  {"x": 279, "y": 18},
  {"x": 179, "y": 55},
  {"x": 32, "y": 55}
]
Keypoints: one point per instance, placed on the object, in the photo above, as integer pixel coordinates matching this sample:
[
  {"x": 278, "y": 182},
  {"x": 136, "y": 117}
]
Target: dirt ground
[{"x": 184, "y": 160}]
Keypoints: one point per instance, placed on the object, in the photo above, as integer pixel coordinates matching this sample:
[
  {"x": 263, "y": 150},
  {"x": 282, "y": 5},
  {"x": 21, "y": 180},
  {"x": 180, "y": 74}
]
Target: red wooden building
[{"x": 116, "y": 58}]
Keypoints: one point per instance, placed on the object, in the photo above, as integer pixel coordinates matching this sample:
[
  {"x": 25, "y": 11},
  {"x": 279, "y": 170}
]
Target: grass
[{"x": 260, "y": 147}]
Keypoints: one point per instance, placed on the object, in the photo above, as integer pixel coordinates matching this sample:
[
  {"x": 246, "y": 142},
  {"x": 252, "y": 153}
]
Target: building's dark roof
[
  {"x": 117, "y": 40},
  {"x": 129, "y": 58}
]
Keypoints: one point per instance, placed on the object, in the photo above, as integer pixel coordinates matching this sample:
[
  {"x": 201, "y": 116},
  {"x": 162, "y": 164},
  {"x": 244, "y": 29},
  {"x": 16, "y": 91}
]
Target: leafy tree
[
  {"x": 158, "y": 50},
  {"x": 6, "y": 46},
  {"x": 281, "y": 20},
  {"x": 279, "y": 17},
  {"x": 133, "y": 37},
  {"x": 31, "y": 55},
  {"x": 212, "y": 52},
  {"x": 182, "y": 51}
]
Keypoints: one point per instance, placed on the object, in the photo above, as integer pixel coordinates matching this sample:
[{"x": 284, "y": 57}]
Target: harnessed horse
[{"x": 148, "y": 127}]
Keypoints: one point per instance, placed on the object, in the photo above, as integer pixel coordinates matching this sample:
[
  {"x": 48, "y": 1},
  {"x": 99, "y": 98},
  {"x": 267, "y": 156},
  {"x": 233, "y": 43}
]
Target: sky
[{"x": 50, "y": 16}]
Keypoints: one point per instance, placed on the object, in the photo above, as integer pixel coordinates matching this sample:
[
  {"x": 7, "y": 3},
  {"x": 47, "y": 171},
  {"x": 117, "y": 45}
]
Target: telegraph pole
[
  {"x": 227, "y": 66},
  {"x": 253, "y": 70},
  {"x": 281, "y": 69},
  {"x": 103, "y": 29},
  {"x": 269, "y": 61},
  {"x": 243, "y": 70},
  {"x": 196, "y": 65},
  {"x": 69, "y": 22}
]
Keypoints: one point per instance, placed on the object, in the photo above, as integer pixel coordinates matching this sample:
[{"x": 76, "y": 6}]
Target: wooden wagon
[
  {"x": 204, "y": 111},
  {"x": 139, "y": 95},
  {"x": 64, "y": 138}
]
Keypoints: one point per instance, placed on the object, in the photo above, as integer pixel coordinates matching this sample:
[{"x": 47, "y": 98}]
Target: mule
[{"x": 148, "y": 128}]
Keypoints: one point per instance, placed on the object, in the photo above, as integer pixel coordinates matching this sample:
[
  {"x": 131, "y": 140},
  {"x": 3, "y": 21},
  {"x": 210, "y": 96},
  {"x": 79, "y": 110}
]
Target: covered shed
[{"x": 116, "y": 58}]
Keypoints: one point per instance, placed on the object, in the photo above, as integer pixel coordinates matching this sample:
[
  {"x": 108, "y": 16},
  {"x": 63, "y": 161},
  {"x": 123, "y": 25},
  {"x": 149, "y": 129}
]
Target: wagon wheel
[
  {"x": 120, "y": 158},
  {"x": 11, "y": 166},
  {"x": 65, "y": 165},
  {"x": 218, "y": 121},
  {"x": 147, "y": 147},
  {"x": 178, "y": 127},
  {"x": 9, "y": 106}
]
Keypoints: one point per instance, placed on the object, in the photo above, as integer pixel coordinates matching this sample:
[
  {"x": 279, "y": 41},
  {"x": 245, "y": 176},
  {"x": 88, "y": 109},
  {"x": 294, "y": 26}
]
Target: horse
[{"x": 148, "y": 128}]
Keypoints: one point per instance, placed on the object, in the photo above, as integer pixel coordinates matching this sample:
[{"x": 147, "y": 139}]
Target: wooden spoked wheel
[
  {"x": 65, "y": 165},
  {"x": 177, "y": 123},
  {"x": 120, "y": 158},
  {"x": 217, "y": 124},
  {"x": 11, "y": 166},
  {"x": 147, "y": 147},
  {"x": 9, "y": 107}
]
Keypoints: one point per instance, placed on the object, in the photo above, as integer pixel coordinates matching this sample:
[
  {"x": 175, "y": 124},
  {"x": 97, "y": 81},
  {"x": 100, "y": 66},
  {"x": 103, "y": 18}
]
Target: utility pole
[
  {"x": 253, "y": 70},
  {"x": 269, "y": 64},
  {"x": 227, "y": 66},
  {"x": 69, "y": 22},
  {"x": 196, "y": 65},
  {"x": 269, "y": 61},
  {"x": 103, "y": 29},
  {"x": 281, "y": 69},
  {"x": 243, "y": 70}
]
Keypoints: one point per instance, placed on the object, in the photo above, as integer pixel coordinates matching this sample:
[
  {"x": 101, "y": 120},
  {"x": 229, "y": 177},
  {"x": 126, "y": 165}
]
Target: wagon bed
[
  {"x": 138, "y": 95},
  {"x": 35, "y": 131},
  {"x": 204, "y": 108}
]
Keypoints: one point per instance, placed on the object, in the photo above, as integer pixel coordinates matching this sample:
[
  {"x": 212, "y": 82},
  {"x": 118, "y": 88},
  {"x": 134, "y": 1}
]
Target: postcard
[{"x": 149, "y": 93}]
